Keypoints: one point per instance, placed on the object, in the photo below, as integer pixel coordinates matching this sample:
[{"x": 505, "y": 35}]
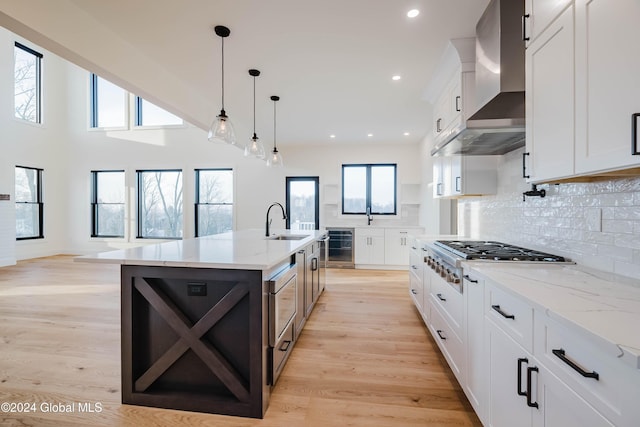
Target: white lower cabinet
[
  {"x": 517, "y": 365},
  {"x": 369, "y": 246},
  {"x": 397, "y": 242}
]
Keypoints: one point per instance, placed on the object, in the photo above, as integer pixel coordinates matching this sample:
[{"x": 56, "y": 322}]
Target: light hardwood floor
[{"x": 364, "y": 358}]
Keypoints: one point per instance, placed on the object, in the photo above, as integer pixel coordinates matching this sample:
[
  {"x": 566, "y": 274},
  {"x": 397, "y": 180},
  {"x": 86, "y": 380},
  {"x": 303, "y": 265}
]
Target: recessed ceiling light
[
  {"x": 406, "y": 134},
  {"x": 413, "y": 13},
  {"x": 396, "y": 77},
  {"x": 332, "y": 136},
  {"x": 369, "y": 135}
]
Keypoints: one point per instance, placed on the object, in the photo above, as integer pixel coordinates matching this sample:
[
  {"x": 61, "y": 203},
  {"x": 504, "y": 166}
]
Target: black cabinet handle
[
  {"x": 314, "y": 264},
  {"x": 458, "y": 183},
  {"x": 524, "y": 29},
  {"x": 458, "y": 103},
  {"x": 524, "y": 166},
  {"x": 413, "y": 291},
  {"x": 285, "y": 345},
  {"x": 440, "y": 297},
  {"x": 438, "y": 189},
  {"x": 439, "y": 332},
  {"x": 560, "y": 354},
  {"x": 520, "y": 362},
  {"x": 634, "y": 134},
  {"x": 502, "y": 313},
  {"x": 467, "y": 277},
  {"x": 530, "y": 402},
  {"x": 438, "y": 130}
]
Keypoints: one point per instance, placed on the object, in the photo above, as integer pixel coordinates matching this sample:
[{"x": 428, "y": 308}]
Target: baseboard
[{"x": 5, "y": 262}]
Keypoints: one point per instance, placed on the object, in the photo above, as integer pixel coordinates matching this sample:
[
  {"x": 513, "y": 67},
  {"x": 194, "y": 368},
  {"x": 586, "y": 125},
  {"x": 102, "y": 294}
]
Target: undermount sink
[{"x": 288, "y": 237}]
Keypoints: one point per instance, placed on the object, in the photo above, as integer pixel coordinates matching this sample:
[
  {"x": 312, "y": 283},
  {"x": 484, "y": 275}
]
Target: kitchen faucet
[
  {"x": 284, "y": 216},
  {"x": 369, "y": 217}
]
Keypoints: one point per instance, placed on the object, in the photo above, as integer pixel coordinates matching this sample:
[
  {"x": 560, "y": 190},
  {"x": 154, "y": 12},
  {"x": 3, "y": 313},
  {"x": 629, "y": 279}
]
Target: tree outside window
[
  {"x": 27, "y": 79},
  {"x": 29, "y": 206},
  {"x": 214, "y": 201},
  {"x": 160, "y": 204}
]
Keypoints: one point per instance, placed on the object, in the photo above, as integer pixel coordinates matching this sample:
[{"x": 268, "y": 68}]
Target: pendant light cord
[
  {"x": 275, "y": 150},
  {"x": 254, "y": 106},
  {"x": 222, "y": 73}
]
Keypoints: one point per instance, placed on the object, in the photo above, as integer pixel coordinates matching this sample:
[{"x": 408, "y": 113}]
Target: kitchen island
[{"x": 196, "y": 325}]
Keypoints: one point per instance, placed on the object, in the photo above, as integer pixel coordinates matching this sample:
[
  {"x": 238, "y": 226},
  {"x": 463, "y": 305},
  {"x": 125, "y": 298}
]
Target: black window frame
[
  {"x": 316, "y": 180},
  {"x": 94, "y": 95},
  {"x": 197, "y": 203},
  {"x": 139, "y": 235},
  {"x": 38, "y": 57},
  {"x": 95, "y": 232},
  {"x": 138, "y": 116},
  {"x": 38, "y": 202},
  {"x": 368, "y": 206}
]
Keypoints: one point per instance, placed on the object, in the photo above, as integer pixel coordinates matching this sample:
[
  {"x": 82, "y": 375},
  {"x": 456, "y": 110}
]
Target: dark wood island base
[{"x": 195, "y": 339}]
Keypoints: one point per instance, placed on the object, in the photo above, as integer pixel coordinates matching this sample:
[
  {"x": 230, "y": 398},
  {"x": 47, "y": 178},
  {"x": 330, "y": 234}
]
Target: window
[
  {"x": 108, "y": 104},
  {"x": 369, "y": 188},
  {"x": 159, "y": 204},
  {"x": 27, "y": 79},
  {"x": 303, "y": 203},
  {"x": 148, "y": 114},
  {"x": 107, "y": 203},
  {"x": 29, "y": 206},
  {"x": 214, "y": 201}
]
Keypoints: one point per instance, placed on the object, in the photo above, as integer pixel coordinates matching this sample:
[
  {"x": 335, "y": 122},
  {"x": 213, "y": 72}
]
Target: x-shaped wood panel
[{"x": 190, "y": 338}]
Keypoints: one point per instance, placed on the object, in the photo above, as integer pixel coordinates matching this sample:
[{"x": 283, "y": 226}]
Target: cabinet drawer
[
  {"x": 450, "y": 344},
  {"x": 279, "y": 354},
  {"x": 610, "y": 386},
  {"x": 512, "y": 314},
  {"x": 450, "y": 302},
  {"x": 416, "y": 259}
]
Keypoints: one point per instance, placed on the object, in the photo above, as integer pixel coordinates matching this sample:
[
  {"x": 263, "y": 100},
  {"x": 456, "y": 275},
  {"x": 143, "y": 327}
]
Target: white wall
[
  {"x": 41, "y": 146},
  {"x": 67, "y": 151},
  {"x": 595, "y": 224}
]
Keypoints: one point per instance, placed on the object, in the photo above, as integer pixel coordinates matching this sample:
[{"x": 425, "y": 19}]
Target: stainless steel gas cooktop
[{"x": 497, "y": 251}]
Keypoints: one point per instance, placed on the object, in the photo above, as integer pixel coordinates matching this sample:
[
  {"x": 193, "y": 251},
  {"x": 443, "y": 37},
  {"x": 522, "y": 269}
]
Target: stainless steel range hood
[{"x": 498, "y": 125}]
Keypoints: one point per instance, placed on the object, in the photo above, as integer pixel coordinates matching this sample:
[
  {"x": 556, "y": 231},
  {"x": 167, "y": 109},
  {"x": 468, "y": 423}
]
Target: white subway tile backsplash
[{"x": 596, "y": 224}]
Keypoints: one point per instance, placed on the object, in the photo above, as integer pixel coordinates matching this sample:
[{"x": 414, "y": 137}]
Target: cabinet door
[
  {"x": 550, "y": 102},
  {"x": 476, "y": 360},
  {"x": 506, "y": 407},
  {"x": 438, "y": 176},
  {"x": 396, "y": 247},
  {"x": 540, "y": 14},
  {"x": 561, "y": 407},
  {"x": 361, "y": 248},
  {"x": 455, "y": 174},
  {"x": 607, "y": 89},
  {"x": 416, "y": 289},
  {"x": 377, "y": 250}
]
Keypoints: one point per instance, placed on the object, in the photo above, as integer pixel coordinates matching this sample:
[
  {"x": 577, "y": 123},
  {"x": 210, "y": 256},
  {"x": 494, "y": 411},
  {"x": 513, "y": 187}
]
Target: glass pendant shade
[
  {"x": 254, "y": 148},
  {"x": 275, "y": 159},
  {"x": 222, "y": 129}
]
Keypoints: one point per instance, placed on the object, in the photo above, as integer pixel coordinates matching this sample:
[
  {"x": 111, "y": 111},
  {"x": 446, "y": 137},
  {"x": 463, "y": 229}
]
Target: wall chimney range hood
[{"x": 498, "y": 125}]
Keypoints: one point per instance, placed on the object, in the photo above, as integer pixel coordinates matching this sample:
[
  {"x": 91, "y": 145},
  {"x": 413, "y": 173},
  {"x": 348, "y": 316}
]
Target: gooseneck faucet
[
  {"x": 268, "y": 223},
  {"x": 369, "y": 218}
]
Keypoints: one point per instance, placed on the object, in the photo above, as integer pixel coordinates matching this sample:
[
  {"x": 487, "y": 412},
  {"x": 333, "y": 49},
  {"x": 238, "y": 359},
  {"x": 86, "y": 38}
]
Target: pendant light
[
  {"x": 255, "y": 147},
  {"x": 275, "y": 158},
  {"x": 221, "y": 129}
]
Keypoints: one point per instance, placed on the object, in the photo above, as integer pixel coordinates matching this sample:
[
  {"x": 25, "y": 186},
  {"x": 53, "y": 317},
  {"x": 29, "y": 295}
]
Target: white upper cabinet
[
  {"x": 550, "y": 102},
  {"x": 607, "y": 88},
  {"x": 583, "y": 98},
  {"x": 456, "y": 176},
  {"x": 538, "y": 15}
]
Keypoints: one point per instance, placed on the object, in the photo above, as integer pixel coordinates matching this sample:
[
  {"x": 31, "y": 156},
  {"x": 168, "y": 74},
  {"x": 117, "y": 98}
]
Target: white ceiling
[{"x": 330, "y": 61}]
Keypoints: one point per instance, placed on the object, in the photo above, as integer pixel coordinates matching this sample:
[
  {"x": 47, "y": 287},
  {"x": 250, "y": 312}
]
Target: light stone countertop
[
  {"x": 600, "y": 306},
  {"x": 242, "y": 250}
]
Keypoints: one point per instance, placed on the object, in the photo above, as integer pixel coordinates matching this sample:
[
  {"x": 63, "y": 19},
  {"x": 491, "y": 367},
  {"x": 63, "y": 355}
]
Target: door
[{"x": 303, "y": 202}]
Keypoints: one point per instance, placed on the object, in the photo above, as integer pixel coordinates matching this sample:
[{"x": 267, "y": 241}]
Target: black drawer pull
[
  {"x": 530, "y": 403},
  {"x": 439, "y": 332},
  {"x": 634, "y": 134},
  {"x": 285, "y": 345},
  {"x": 502, "y": 313},
  {"x": 560, "y": 354},
  {"x": 467, "y": 277},
  {"x": 440, "y": 297},
  {"x": 524, "y": 166},
  {"x": 413, "y": 291},
  {"x": 520, "y": 362}
]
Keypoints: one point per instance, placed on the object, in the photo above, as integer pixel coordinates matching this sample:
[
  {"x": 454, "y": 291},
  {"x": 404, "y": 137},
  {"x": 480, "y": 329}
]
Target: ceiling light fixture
[
  {"x": 221, "y": 129},
  {"x": 396, "y": 78},
  {"x": 332, "y": 136},
  {"x": 406, "y": 134},
  {"x": 369, "y": 135},
  {"x": 275, "y": 158},
  {"x": 255, "y": 147},
  {"x": 413, "y": 13}
]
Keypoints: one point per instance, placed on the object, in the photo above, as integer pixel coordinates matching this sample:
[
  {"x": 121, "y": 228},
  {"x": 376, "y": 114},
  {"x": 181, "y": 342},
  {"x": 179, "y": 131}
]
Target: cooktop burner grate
[{"x": 480, "y": 249}]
